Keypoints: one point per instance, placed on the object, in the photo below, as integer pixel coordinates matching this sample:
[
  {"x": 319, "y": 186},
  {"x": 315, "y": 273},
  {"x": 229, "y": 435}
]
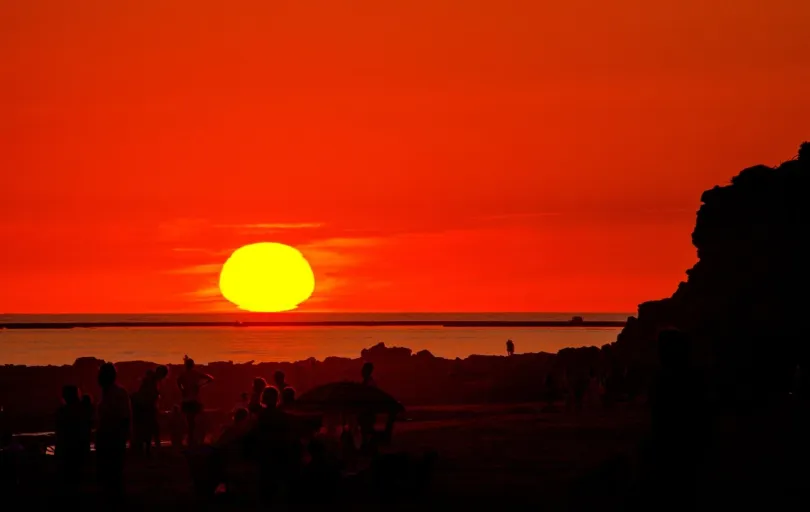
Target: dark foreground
[
  {"x": 524, "y": 455},
  {"x": 509, "y": 453}
]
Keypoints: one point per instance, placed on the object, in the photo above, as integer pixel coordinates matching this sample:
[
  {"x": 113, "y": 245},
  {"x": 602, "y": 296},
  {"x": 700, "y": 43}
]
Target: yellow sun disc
[{"x": 266, "y": 277}]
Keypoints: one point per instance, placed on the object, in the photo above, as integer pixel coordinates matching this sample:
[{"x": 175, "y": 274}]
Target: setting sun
[{"x": 266, "y": 278}]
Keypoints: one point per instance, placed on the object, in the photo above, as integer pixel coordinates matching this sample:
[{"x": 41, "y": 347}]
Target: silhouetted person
[
  {"x": 114, "y": 417},
  {"x": 510, "y": 348},
  {"x": 298, "y": 427},
  {"x": 255, "y": 403},
  {"x": 273, "y": 443},
  {"x": 146, "y": 427},
  {"x": 279, "y": 380},
  {"x": 190, "y": 382},
  {"x": 72, "y": 438},
  {"x": 287, "y": 396},
  {"x": 369, "y": 419},
  {"x": 365, "y": 372},
  {"x": 366, "y": 420},
  {"x": 678, "y": 421},
  {"x": 577, "y": 386},
  {"x": 270, "y": 414}
]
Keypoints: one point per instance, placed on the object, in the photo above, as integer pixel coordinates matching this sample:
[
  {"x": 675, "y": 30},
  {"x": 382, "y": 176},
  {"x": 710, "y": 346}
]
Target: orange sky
[{"x": 427, "y": 155}]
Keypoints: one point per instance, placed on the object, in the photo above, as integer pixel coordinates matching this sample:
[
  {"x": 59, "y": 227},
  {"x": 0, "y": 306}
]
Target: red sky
[{"x": 428, "y": 155}]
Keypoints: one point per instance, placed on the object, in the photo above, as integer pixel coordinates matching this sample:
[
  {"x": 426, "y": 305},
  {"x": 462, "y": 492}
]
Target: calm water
[{"x": 276, "y": 344}]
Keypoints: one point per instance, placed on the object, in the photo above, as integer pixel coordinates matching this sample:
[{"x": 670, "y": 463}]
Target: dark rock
[
  {"x": 380, "y": 353},
  {"x": 87, "y": 362},
  {"x": 425, "y": 354},
  {"x": 743, "y": 301}
]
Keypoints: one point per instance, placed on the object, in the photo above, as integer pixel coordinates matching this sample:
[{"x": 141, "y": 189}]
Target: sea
[{"x": 167, "y": 344}]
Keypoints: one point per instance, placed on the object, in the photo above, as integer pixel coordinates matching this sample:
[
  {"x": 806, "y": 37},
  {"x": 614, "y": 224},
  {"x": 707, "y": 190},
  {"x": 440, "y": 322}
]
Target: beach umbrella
[{"x": 347, "y": 397}]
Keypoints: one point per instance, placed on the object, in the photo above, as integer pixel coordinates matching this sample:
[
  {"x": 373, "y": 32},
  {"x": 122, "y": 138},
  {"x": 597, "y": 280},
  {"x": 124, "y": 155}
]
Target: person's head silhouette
[
  {"x": 188, "y": 362},
  {"x": 107, "y": 375},
  {"x": 278, "y": 378},
  {"x": 288, "y": 395},
  {"x": 259, "y": 384},
  {"x": 270, "y": 398},
  {"x": 161, "y": 372},
  {"x": 71, "y": 394}
]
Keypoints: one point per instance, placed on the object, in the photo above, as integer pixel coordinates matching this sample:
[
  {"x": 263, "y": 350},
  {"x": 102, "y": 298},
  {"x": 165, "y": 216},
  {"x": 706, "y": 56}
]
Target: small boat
[{"x": 577, "y": 320}]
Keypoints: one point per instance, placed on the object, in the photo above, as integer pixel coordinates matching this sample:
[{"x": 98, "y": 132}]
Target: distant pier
[{"x": 577, "y": 322}]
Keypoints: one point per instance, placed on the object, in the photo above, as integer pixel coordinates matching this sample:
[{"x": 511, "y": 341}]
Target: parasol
[{"x": 347, "y": 397}]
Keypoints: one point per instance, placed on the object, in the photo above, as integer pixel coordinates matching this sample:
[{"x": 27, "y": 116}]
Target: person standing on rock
[
  {"x": 510, "y": 348},
  {"x": 190, "y": 382}
]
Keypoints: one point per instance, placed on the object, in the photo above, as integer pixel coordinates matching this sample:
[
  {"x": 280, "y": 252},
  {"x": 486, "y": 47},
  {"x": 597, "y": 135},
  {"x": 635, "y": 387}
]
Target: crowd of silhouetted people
[{"x": 265, "y": 448}]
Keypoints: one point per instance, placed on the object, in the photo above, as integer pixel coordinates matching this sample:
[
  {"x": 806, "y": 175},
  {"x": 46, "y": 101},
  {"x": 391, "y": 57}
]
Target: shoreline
[{"x": 415, "y": 379}]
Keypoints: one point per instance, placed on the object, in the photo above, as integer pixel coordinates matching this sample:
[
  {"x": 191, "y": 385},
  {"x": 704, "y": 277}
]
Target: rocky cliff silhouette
[{"x": 743, "y": 302}]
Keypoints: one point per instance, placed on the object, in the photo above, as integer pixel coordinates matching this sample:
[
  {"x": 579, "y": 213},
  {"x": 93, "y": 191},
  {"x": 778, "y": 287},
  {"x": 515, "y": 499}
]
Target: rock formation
[{"x": 743, "y": 301}]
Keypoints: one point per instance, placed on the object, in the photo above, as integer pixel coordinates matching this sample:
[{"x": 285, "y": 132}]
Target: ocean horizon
[
  {"x": 282, "y": 343},
  {"x": 305, "y": 316}
]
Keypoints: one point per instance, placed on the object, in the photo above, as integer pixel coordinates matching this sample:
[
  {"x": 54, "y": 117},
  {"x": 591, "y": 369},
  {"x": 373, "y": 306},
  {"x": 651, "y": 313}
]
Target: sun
[{"x": 266, "y": 278}]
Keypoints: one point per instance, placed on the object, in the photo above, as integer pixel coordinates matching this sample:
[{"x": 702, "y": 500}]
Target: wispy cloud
[
  {"x": 208, "y": 268},
  {"x": 210, "y": 300},
  {"x": 344, "y": 242},
  {"x": 335, "y": 255},
  {"x": 190, "y": 249},
  {"x": 196, "y": 250},
  {"x": 272, "y": 225},
  {"x": 211, "y": 292}
]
